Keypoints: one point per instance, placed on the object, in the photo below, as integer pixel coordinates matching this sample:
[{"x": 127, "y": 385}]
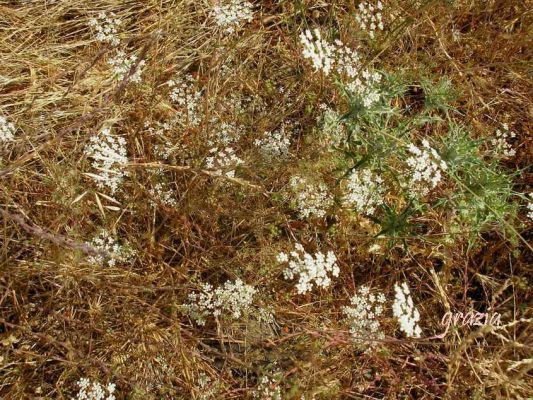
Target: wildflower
[
  {"x": 501, "y": 143},
  {"x": 233, "y": 298},
  {"x": 333, "y": 130},
  {"x": 405, "y": 311},
  {"x": 226, "y": 133},
  {"x": 426, "y": 166},
  {"x": 311, "y": 270},
  {"x": 7, "y": 130},
  {"x": 94, "y": 390},
  {"x": 108, "y": 154},
  {"x": 364, "y": 191},
  {"x": 223, "y": 161},
  {"x": 311, "y": 198},
  {"x": 318, "y": 50},
  {"x": 366, "y": 87},
  {"x": 121, "y": 65},
  {"x": 106, "y": 28},
  {"x": 346, "y": 60},
  {"x": 106, "y": 243},
  {"x": 274, "y": 146},
  {"x": 267, "y": 389},
  {"x": 188, "y": 97},
  {"x": 230, "y": 14},
  {"x": 370, "y": 18},
  {"x": 163, "y": 195},
  {"x": 363, "y": 313}
]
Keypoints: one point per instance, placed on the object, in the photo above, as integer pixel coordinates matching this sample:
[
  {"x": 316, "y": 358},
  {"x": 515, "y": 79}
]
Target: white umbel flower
[
  {"x": 426, "y": 168},
  {"x": 185, "y": 93},
  {"x": 233, "y": 299},
  {"x": 106, "y": 243},
  {"x": 366, "y": 87},
  {"x": 501, "y": 145},
  {"x": 108, "y": 154},
  {"x": 405, "y": 311},
  {"x": 106, "y": 27},
  {"x": 274, "y": 146},
  {"x": 363, "y": 312},
  {"x": 319, "y": 51},
  {"x": 370, "y": 17},
  {"x": 364, "y": 191},
  {"x": 311, "y": 270},
  {"x": 222, "y": 161},
  {"x": 94, "y": 391},
  {"x": 231, "y": 14},
  {"x": 121, "y": 65},
  {"x": 7, "y": 130},
  {"x": 310, "y": 198}
]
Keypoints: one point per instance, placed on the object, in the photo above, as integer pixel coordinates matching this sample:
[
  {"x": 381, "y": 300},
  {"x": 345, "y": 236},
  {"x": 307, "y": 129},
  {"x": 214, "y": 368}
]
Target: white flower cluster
[
  {"x": 311, "y": 198},
  {"x": 226, "y": 133},
  {"x": 108, "y": 153},
  {"x": 106, "y": 28},
  {"x": 106, "y": 243},
  {"x": 318, "y": 50},
  {"x": 405, "y": 311},
  {"x": 333, "y": 130},
  {"x": 121, "y": 65},
  {"x": 530, "y": 207},
  {"x": 426, "y": 166},
  {"x": 274, "y": 146},
  {"x": 370, "y": 18},
  {"x": 311, "y": 270},
  {"x": 7, "y": 130},
  {"x": 501, "y": 143},
  {"x": 230, "y": 14},
  {"x": 363, "y": 315},
  {"x": 94, "y": 390},
  {"x": 163, "y": 195},
  {"x": 233, "y": 298},
  {"x": 364, "y": 191},
  {"x": 267, "y": 389},
  {"x": 346, "y": 60},
  {"x": 365, "y": 87},
  {"x": 222, "y": 161},
  {"x": 188, "y": 97}
]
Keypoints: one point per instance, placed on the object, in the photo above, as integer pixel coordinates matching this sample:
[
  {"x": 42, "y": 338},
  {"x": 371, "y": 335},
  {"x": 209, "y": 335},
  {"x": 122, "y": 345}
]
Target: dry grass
[{"x": 62, "y": 318}]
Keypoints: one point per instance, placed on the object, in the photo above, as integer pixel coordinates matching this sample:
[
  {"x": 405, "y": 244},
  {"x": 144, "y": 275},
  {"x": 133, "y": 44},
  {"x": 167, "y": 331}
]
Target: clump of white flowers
[
  {"x": 366, "y": 87},
  {"x": 333, "y": 130},
  {"x": 121, "y": 66},
  {"x": 226, "y": 133},
  {"x": 185, "y": 93},
  {"x": 311, "y": 270},
  {"x": 346, "y": 60},
  {"x": 163, "y": 194},
  {"x": 108, "y": 154},
  {"x": 114, "y": 250},
  {"x": 94, "y": 390},
  {"x": 370, "y": 18},
  {"x": 530, "y": 207},
  {"x": 274, "y": 146},
  {"x": 364, "y": 191},
  {"x": 405, "y": 311},
  {"x": 231, "y": 14},
  {"x": 318, "y": 50},
  {"x": 363, "y": 312},
  {"x": 7, "y": 130},
  {"x": 267, "y": 389},
  {"x": 501, "y": 143},
  {"x": 426, "y": 168},
  {"x": 232, "y": 298},
  {"x": 106, "y": 27},
  {"x": 222, "y": 161},
  {"x": 310, "y": 198}
]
